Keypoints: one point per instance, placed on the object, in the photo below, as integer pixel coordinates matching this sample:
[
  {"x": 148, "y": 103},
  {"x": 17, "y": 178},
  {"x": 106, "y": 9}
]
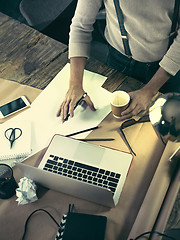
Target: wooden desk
[
  {"x": 31, "y": 58},
  {"x": 27, "y": 56}
]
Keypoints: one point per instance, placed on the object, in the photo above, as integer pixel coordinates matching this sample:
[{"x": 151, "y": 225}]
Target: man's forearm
[
  {"x": 77, "y": 65},
  {"x": 157, "y": 81}
]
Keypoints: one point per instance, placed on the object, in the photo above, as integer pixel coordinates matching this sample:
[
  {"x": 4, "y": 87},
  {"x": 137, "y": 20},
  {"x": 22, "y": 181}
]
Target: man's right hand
[
  {"x": 71, "y": 98},
  {"x": 76, "y": 90}
]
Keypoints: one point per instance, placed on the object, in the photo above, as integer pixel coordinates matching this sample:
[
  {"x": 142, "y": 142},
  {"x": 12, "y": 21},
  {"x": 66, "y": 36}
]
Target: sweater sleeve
[
  {"x": 82, "y": 27},
  {"x": 171, "y": 60}
]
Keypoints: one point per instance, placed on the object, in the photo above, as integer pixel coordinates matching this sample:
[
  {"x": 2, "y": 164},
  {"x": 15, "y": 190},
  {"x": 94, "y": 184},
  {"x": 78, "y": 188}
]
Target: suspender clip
[
  {"x": 122, "y": 36},
  {"x": 172, "y": 34}
]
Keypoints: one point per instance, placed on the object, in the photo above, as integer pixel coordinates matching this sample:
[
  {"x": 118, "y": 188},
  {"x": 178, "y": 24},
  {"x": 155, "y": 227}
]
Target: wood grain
[{"x": 28, "y": 56}]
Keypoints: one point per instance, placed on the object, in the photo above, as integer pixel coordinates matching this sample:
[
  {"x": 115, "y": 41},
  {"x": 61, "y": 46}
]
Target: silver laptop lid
[{"x": 97, "y": 156}]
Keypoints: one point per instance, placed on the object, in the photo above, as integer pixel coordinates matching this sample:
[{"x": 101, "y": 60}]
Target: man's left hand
[{"x": 140, "y": 101}]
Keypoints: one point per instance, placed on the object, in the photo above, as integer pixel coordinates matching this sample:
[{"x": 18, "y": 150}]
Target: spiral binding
[{"x": 60, "y": 232}]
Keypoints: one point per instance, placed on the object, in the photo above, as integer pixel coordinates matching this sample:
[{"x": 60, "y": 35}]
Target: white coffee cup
[{"x": 119, "y": 102}]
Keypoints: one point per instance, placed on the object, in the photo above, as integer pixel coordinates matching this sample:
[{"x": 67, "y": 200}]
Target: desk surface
[{"x": 31, "y": 58}]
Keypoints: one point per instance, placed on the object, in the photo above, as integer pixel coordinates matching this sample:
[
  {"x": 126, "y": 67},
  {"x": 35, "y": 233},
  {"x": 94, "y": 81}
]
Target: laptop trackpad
[{"x": 89, "y": 154}]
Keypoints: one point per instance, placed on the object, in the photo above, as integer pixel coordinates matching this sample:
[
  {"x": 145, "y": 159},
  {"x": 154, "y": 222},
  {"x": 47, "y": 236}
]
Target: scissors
[{"x": 12, "y": 134}]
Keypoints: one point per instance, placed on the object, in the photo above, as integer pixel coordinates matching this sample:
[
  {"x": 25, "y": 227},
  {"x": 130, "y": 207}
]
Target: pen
[
  {"x": 78, "y": 102},
  {"x": 82, "y": 131},
  {"x": 96, "y": 139}
]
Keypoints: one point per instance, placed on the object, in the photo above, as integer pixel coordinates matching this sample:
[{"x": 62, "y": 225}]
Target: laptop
[{"x": 81, "y": 169}]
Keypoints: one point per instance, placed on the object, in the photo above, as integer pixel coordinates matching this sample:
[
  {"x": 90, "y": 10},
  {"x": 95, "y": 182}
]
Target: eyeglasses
[{"x": 129, "y": 123}]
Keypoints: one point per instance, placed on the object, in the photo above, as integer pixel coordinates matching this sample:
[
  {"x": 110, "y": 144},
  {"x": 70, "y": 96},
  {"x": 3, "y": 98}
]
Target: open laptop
[{"x": 84, "y": 170}]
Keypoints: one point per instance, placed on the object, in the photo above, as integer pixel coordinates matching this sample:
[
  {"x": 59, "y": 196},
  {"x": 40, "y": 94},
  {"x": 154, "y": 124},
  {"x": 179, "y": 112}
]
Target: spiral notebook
[
  {"x": 80, "y": 226},
  {"x": 21, "y": 147}
]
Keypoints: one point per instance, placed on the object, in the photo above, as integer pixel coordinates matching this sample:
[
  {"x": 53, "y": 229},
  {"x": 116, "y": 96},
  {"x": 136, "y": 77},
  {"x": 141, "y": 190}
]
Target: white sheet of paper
[{"x": 43, "y": 110}]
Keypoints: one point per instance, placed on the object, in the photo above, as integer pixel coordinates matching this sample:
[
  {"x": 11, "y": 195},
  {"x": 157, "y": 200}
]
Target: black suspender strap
[
  {"x": 124, "y": 36},
  {"x": 122, "y": 28},
  {"x": 173, "y": 32}
]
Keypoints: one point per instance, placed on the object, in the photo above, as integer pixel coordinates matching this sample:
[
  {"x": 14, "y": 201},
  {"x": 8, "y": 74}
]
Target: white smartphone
[{"x": 14, "y": 106}]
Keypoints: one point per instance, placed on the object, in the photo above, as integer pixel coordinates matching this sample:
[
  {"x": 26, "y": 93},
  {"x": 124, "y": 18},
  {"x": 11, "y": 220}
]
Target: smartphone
[{"x": 14, "y": 106}]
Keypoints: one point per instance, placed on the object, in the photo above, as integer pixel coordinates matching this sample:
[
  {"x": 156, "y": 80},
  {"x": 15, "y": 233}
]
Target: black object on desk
[
  {"x": 12, "y": 134},
  {"x": 82, "y": 131},
  {"x": 81, "y": 226},
  {"x": 8, "y": 184},
  {"x": 95, "y": 139}
]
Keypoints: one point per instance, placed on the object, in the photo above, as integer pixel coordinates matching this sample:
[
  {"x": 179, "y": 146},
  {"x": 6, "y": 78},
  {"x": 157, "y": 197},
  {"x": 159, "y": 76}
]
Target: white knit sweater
[{"x": 147, "y": 22}]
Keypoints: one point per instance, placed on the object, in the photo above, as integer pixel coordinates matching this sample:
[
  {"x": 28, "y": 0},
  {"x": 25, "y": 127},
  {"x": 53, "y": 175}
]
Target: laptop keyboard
[{"x": 83, "y": 172}]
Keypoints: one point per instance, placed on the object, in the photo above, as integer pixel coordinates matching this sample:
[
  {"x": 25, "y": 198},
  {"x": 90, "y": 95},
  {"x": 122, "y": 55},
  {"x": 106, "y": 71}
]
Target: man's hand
[
  {"x": 71, "y": 98},
  {"x": 76, "y": 90},
  {"x": 140, "y": 100}
]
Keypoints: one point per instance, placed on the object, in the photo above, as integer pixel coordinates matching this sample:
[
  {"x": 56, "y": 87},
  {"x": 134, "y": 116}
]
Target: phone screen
[{"x": 13, "y": 106}]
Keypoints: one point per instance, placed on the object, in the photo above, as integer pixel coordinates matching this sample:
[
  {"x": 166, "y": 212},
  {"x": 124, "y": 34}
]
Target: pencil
[
  {"x": 96, "y": 139},
  {"x": 82, "y": 131}
]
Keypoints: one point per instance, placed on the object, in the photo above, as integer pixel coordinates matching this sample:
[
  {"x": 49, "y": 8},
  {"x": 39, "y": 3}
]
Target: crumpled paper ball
[{"x": 26, "y": 192}]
